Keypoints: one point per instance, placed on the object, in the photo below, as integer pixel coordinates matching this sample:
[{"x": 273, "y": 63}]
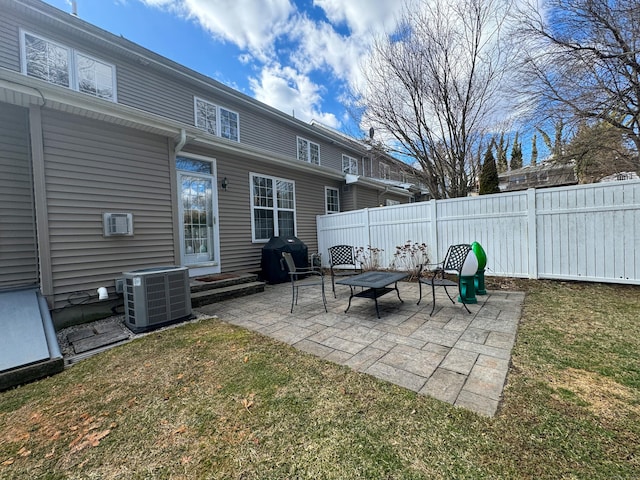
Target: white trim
[
  {"x": 308, "y": 150},
  {"x": 19, "y": 89},
  {"x": 326, "y": 200},
  {"x": 237, "y": 124},
  {"x": 72, "y": 66},
  {"x": 350, "y": 162},
  {"x": 214, "y": 265},
  {"x": 218, "y": 115},
  {"x": 384, "y": 171},
  {"x": 274, "y": 208}
]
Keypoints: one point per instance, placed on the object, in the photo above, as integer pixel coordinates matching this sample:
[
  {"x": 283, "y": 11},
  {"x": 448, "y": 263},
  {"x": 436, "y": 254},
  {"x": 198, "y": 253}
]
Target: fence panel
[
  {"x": 348, "y": 228},
  {"x": 586, "y": 232},
  {"x": 589, "y": 232},
  {"x": 497, "y": 222},
  {"x": 393, "y": 226}
]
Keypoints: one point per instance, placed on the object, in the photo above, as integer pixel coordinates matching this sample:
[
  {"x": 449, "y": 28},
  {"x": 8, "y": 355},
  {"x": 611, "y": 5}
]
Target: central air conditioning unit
[{"x": 157, "y": 296}]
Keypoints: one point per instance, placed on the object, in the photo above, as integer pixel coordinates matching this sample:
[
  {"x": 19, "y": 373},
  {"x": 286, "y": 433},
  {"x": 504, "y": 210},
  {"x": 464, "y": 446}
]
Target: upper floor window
[
  {"x": 216, "y": 120},
  {"x": 64, "y": 66},
  {"x": 332, "y": 201},
  {"x": 273, "y": 207},
  {"x": 308, "y": 151},
  {"x": 349, "y": 165},
  {"x": 384, "y": 171}
]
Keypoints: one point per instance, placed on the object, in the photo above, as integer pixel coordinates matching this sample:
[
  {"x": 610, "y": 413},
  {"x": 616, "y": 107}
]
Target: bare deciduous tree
[
  {"x": 432, "y": 86},
  {"x": 584, "y": 60}
]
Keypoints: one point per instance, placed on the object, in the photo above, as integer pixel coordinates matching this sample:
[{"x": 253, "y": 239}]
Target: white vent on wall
[{"x": 117, "y": 224}]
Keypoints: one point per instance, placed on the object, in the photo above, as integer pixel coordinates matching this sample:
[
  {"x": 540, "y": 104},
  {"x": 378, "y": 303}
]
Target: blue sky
[{"x": 299, "y": 56}]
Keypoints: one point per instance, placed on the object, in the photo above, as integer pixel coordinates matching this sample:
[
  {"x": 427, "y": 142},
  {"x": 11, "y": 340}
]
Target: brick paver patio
[{"x": 456, "y": 357}]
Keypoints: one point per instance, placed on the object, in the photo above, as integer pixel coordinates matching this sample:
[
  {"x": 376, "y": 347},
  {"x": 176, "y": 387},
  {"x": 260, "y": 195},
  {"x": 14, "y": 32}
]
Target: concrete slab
[{"x": 99, "y": 340}]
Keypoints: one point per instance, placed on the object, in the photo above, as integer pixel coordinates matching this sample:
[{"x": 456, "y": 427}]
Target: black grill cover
[{"x": 272, "y": 271}]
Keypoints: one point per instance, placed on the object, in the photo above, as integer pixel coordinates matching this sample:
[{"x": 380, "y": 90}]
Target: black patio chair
[
  {"x": 452, "y": 265},
  {"x": 303, "y": 277},
  {"x": 342, "y": 263}
]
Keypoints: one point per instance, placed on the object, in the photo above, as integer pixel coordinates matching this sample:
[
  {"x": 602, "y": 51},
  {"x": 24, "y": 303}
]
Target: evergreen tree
[
  {"x": 534, "y": 150},
  {"x": 489, "y": 174},
  {"x": 598, "y": 150},
  {"x": 516, "y": 154},
  {"x": 501, "y": 151}
]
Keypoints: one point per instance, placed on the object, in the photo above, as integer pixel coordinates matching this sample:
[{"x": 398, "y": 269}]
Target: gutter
[
  {"x": 102, "y": 37},
  {"x": 181, "y": 142},
  {"x": 37, "y": 92}
]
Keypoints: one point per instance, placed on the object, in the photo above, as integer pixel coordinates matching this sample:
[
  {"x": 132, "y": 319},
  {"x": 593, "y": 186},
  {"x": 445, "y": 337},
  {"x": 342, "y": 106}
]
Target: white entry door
[{"x": 198, "y": 213}]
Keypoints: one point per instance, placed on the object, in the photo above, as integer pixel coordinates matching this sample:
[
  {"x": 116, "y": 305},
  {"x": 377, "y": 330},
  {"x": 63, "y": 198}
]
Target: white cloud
[
  {"x": 320, "y": 47},
  {"x": 362, "y": 17},
  {"x": 288, "y": 47},
  {"x": 294, "y": 93},
  {"x": 252, "y": 25}
]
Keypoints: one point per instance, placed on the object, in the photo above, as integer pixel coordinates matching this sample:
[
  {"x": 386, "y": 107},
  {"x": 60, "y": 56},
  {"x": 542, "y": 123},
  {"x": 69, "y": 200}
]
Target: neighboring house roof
[
  {"x": 547, "y": 174},
  {"x": 620, "y": 176}
]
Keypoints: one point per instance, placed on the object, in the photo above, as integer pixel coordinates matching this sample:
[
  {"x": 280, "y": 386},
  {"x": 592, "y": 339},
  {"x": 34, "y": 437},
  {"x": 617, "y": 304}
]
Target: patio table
[{"x": 376, "y": 284}]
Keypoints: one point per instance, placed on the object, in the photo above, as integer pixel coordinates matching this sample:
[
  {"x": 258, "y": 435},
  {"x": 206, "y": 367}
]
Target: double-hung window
[
  {"x": 332, "y": 200},
  {"x": 308, "y": 151},
  {"x": 216, "y": 120},
  {"x": 384, "y": 171},
  {"x": 273, "y": 211},
  {"x": 349, "y": 165},
  {"x": 64, "y": 66}
]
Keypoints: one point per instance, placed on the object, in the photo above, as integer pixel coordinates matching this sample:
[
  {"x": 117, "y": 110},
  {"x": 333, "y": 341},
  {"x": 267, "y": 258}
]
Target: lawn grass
[{"x": 209, "y": 400}]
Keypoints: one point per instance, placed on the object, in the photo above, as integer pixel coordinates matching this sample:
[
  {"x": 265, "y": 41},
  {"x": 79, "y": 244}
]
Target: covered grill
[{"x": 272, "y": 269}]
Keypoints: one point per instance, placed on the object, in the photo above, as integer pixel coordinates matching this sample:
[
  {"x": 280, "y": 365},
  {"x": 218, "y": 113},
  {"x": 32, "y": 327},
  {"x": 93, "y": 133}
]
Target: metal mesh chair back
[
  {"x": 452, "y": 263},
  {"x": 456, "y": 255},
  {"x": 290, "y": 263},
  {"x": 342, "y": 255},
  {"x": 303, "y": 277}
]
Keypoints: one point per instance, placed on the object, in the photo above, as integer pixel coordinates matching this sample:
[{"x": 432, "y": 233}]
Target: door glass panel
[
  {"x": 197, "y": 218},
  {"x": 191, "y": 165}
]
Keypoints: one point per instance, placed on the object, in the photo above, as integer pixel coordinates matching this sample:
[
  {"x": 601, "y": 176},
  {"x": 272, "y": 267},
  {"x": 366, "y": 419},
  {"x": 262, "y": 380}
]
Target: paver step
[
  {"x": 212, "y": 282},
  {"x": 205, "y": 297}
]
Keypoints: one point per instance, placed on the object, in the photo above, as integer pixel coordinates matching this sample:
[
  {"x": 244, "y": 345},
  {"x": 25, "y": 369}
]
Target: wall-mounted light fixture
[{"x": 224, "y": 184}]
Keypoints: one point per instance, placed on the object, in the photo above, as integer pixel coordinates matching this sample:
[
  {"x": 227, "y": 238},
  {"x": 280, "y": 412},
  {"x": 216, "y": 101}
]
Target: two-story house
[{"x": 114, "y": 158}]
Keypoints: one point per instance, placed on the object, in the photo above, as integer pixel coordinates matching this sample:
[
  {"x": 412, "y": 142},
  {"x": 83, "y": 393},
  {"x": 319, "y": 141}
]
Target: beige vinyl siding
[
  {"x": 390, "y": 196},
  {"x": 144, "y": 88},
  {"x": 92, "y": 168},
  {"x": 149, "y": 87},
  {"x": 366, "y": 197},
  {"x": 347, "y": 198},
  {"x": 18, "y": 250},
  {"x": 9, "y": 44},
  {"x": 237, "y": 251}
]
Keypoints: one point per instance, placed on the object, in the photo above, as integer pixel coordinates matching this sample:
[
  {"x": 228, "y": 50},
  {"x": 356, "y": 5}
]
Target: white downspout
[{"x": 183, "y": 140}]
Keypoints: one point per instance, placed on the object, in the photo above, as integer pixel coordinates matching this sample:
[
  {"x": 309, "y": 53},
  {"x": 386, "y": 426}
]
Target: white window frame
[
  {"x": 217, "y": 129},
  {"x": 384, "y": 171},
  {"x": 307, "y": 145},
  {"x": 274, "y": 207},
  {"x": 349, "y": 164},
  {"x": 326, "y": 199},
  {"x": 73, "y": 76}
]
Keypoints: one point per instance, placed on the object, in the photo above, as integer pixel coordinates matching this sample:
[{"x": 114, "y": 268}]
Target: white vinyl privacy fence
[{"x": 586, "y": 232}]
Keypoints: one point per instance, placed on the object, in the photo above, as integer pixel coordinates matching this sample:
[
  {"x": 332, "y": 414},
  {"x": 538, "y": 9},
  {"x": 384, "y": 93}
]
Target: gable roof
[{"x": 547, "y": 174}]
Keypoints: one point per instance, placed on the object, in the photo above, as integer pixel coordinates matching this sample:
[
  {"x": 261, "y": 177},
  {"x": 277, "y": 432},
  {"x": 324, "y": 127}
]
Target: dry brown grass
[{"x": 209, "y": 400}]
